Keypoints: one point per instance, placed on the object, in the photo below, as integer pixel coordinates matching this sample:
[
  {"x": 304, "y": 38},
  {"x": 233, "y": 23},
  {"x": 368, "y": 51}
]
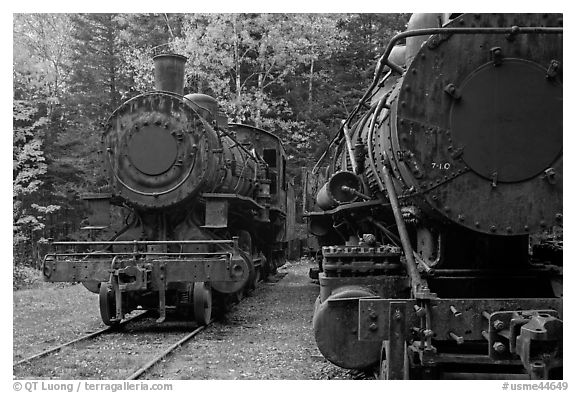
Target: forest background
[{"x": 296, "y": 75}]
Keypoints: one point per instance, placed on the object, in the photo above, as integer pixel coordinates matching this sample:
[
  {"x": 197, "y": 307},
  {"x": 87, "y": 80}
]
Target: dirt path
[{"x": 267, "y": 336}]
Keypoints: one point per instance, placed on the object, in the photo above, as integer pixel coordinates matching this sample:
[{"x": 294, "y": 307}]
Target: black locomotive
[
  {"x": 211, "y": 208},
  {"x": 430, "y": 200}
]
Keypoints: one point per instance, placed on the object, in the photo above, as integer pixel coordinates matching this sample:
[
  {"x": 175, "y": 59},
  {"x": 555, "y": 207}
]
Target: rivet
[
  {"x": 509, "y": 229},
  {"x": 493, "y": 228},
  {"x": 477, "y": 224},
  {"x": 499, "y": 347},
  {"x": 460, "y": 217},
  {"x": 526, "y": 228},
  {"x": 498, "y": 324},
  {"x": 542, "y": 223},
  {"x": 559, "y": 216},
  {"x": 447, "y": 209}
]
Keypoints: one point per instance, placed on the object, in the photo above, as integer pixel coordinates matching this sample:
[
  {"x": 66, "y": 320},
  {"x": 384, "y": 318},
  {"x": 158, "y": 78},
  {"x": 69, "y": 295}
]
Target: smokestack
[{"x": 169, "y": 72}]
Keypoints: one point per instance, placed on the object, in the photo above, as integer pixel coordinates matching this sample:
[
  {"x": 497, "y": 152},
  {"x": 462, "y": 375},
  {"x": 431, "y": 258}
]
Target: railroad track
[
  {"x": 88, "y": 336},
  {"x": 140, "y": 370}
]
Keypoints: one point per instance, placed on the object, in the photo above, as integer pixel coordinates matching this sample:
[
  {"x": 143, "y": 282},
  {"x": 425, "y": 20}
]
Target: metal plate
[
  {"x": 152, "y": 150},
  {"x": 373, "y": 316},
  {"x": 508, "y": 120}
]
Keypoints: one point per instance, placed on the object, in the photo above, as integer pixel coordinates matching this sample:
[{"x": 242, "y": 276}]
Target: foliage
[
  {"x": 38, "y": 48},
  {"x": 24, "y": 276},
  {"x": 296, "y": 75}
]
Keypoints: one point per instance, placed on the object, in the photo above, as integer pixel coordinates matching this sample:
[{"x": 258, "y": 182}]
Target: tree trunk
[
  {"x": 310, "y": 81},
  {"x": 237, "y": 62}
]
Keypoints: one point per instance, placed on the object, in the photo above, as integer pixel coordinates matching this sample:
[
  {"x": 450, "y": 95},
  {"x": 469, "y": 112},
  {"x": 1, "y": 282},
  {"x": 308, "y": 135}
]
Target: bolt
[
  {"x": 509, "y": 229},
  {"x": 373, "y": 315},
  {"x": 559, "y": 217},
  {"x": 477, "y": 223},
  {"x": 373, "y": 326},
  {"x": 459, "y": 339},
  {"x": 397, "y": 315},
  {"x": 420, "y": 312},
  {"x": 499, "y": 347},
  {"x": 498, "y": 324},
  {"x": 493, "y": 228},
  {"x": 455, "y": 311}
]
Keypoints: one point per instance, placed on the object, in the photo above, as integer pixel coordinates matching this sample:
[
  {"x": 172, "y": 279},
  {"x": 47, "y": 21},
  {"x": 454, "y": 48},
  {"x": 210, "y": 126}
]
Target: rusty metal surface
[
  {"x": 177, "y": 270},
  {"x": 335, "y": 325},
  {"x": 216, "y": 213},
  {"x": 169, "y": 72},
  {"x": 395, "y": 287},
  {"x": 397, "y": 340},
  {"x": 469, "y": 324},
  {"x": 431, "y": 143},
  {"x": 151, "y": 180}
]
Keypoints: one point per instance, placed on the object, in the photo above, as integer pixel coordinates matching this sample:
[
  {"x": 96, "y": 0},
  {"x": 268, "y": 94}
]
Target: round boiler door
[
  {"x": 508, "y": 120},
  {"x": 152, "y": 150}
]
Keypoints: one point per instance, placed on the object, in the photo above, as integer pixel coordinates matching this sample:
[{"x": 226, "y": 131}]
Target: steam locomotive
[
  {"x": 211, "y": 208},
  {"x": 430, "y": 199}
]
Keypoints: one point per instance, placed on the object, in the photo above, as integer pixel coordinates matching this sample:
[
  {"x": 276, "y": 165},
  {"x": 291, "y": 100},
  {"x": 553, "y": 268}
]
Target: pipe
[
  {"x": 416, "y": 281},
  {"x": 350, "y": 149}
]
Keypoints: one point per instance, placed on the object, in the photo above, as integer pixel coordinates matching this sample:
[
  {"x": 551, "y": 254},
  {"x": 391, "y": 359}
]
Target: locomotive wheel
[
  {"x": 107, "y": 305},
  {"x": 202, "y": 300}
]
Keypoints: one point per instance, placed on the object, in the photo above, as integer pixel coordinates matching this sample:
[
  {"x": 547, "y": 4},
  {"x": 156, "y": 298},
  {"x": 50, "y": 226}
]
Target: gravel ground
[{"x": 267, "y": 336}]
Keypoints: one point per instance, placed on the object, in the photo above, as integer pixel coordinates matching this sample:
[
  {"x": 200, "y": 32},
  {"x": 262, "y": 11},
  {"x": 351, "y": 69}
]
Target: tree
[{"x": 37, "y": 87}]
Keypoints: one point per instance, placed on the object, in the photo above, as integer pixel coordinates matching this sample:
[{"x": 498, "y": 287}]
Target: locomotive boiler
[
  {"x": 209, "y": 207},
  {"x": 431, "y": 197}
]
